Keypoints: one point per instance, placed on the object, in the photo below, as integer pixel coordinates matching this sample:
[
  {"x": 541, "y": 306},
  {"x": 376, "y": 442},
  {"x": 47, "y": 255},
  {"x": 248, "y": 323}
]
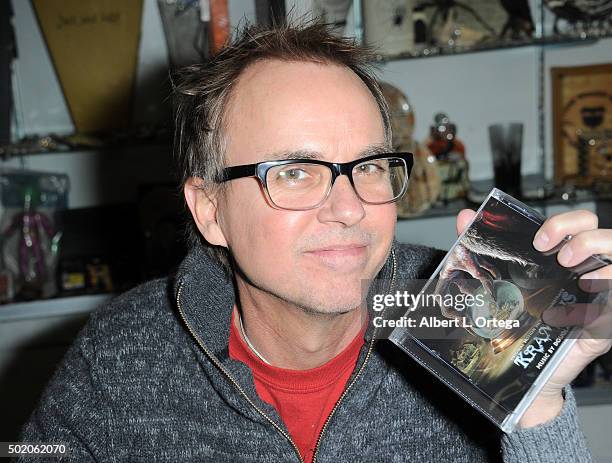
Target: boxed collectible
[{"x": 29, "y": 236}]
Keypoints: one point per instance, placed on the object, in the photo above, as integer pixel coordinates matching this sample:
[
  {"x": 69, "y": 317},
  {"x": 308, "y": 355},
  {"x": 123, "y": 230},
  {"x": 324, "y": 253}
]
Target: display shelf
[
  {"x": 138, "y": 137},
  {"x": 538, "y": 194},
  {"x": 57, "y": 307},
  {"x": 432, "y": 51}
]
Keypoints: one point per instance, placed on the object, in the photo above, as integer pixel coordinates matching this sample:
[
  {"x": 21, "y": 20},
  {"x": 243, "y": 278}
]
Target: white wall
[
  {"x": 480, "y": 89},
  {"x": 475, "y": 90}
]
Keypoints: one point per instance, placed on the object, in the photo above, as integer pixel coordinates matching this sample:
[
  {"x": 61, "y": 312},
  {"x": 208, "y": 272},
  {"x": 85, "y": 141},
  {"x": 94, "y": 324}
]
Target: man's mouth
[
  {"x": 340, "y": 255},
  {"x": 351, "y": 247}
]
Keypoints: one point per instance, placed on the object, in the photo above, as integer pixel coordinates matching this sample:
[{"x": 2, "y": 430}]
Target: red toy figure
[{"x": 450, "y": 153}]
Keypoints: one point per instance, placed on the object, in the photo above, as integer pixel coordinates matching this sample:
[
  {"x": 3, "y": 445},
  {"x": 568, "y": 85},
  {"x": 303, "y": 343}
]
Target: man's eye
[
  {"x": 293, "y": 175},
  {"x": 370, "y": 169}
]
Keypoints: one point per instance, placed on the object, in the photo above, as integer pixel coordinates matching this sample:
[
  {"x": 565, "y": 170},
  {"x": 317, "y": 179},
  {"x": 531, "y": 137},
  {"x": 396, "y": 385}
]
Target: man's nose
[{"x": 342, "y": 205}]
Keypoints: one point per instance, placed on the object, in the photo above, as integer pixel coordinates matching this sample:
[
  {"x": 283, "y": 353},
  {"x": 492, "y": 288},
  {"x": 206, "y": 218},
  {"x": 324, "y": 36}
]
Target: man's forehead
[
  {"x": 273, "y": 80},
  {"x": 302, "y": 110}
]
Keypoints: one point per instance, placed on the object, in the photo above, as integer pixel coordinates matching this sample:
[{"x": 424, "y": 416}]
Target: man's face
[{"x": 315, "y": 259}]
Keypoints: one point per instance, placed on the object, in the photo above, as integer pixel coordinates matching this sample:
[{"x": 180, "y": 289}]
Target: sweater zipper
[
  {"x": 365, "y": 361},
  {"x": 216, "y": 362}
]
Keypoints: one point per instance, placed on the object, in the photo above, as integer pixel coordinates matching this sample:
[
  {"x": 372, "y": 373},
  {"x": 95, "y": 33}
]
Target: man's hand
[{"x": 586, "y": 240}]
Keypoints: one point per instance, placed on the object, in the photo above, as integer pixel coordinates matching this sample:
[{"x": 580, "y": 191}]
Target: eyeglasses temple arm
[{"x": 231, "y": 173}]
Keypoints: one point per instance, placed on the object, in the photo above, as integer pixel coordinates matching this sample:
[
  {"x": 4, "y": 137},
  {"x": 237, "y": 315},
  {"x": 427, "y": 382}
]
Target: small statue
[
  {"x": 450, "y": 154},
  {"x": 424, "y": 182}
]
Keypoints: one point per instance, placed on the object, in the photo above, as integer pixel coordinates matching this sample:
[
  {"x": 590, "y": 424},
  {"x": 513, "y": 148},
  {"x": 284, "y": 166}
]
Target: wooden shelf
[
  {"x": 537, "y": 195},
  {"x": 433, "y": 51},
  {"x": 137, "y": 137},
  {"x": 46, "y": 308}
]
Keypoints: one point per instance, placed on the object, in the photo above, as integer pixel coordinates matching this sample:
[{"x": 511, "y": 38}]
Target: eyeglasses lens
[{"x": 305, "y": 186}]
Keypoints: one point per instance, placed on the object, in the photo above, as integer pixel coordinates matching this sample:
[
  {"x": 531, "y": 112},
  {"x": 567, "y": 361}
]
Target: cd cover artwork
[{"x": 477, "y": 323}]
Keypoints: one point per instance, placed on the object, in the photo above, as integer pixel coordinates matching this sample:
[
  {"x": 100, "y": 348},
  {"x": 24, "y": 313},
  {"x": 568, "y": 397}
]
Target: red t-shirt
[{"x": 302, "y": 398}]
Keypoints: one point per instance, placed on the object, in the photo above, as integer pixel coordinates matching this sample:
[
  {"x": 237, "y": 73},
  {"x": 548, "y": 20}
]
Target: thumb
[{"x": 464, "y": 217}]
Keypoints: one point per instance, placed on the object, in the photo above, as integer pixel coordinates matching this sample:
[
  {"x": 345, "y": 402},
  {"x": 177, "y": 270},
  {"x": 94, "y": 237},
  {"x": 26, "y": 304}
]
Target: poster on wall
[
  {"x": 94, "y": 49},
  {"x": 582, "y": 125}
]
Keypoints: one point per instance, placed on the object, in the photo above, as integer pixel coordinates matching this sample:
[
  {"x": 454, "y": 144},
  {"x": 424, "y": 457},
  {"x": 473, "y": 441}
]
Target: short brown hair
[{"x": 202, "y": 92}]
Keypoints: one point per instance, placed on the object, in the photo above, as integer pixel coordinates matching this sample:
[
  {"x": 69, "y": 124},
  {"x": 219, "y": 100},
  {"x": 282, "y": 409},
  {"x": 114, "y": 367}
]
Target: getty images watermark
[
  {"x": 444, "y": 309},
  {"x": 451, "y": 302}
]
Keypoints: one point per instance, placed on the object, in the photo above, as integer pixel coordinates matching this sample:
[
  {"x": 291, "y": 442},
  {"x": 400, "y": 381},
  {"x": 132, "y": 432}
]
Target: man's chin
[
  {"x": 337, "y": 302},
  {"x": 329, "y": 310},
  {"x": 334, "y": 292}
]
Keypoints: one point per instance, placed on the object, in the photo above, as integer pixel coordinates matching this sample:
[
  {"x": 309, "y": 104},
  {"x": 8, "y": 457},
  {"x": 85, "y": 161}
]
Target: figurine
[
  {"x": 449, "y": 33},
  {"x": 450, "y": 154},
  {"x": 424, "y": 184},
  {"x": 31, "y": 255}
]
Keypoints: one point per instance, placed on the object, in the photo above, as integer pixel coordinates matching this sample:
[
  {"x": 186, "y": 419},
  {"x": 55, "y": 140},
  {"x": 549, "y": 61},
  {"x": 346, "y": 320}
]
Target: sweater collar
[{"x": 205, "y": 296}]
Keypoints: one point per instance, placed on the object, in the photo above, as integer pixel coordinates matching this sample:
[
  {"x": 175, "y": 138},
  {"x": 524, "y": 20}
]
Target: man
[{"x": 259, "y": 348}]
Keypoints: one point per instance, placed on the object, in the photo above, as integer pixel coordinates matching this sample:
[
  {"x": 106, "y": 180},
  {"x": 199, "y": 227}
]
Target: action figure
[{"x": 31, "y": 256}]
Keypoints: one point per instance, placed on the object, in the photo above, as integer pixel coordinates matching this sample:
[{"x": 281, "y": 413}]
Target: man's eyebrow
[
  {"x": 378, "y": 148},
  {"x": 298, "y": 154}
]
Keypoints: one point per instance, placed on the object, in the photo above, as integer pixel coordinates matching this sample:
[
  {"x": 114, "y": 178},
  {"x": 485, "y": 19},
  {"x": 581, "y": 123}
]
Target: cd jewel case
[{"x": 493, "y": 349}]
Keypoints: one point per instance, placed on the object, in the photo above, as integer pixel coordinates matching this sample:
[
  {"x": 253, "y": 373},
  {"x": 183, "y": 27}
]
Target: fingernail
[
  {"x": 540, "y": 241},
  {"x": 565, "y": 255}
]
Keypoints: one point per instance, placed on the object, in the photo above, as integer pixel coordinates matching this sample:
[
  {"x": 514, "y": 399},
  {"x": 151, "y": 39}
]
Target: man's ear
[{"x": 202, "y": 203}]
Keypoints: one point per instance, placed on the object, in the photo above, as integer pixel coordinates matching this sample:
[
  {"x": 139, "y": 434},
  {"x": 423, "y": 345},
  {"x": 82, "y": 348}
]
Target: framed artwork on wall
[{"x": 582, "y": 125}]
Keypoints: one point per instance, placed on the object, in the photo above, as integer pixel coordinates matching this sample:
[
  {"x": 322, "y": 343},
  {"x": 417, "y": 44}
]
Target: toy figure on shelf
[
  {"x": 7, "y": 288},
  {"x": 580, "y": 16},
  {"x": 450, "y": 154},
  {"x": 31, "y": 254},
  {"x": 519, "y": 25},
  {"x": 448, "y": 24},
  {"x": 424, "y": 184}
]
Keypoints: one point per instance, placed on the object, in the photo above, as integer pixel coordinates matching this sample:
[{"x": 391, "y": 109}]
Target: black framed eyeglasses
[{"x": 302, "y": 184}]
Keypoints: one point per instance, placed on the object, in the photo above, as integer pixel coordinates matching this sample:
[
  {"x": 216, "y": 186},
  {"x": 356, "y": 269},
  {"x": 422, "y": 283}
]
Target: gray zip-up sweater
[{"x": 149, "y": 379}]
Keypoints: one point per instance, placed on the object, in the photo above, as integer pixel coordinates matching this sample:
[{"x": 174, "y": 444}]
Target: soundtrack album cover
[{"x": 477, "y": 323}]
